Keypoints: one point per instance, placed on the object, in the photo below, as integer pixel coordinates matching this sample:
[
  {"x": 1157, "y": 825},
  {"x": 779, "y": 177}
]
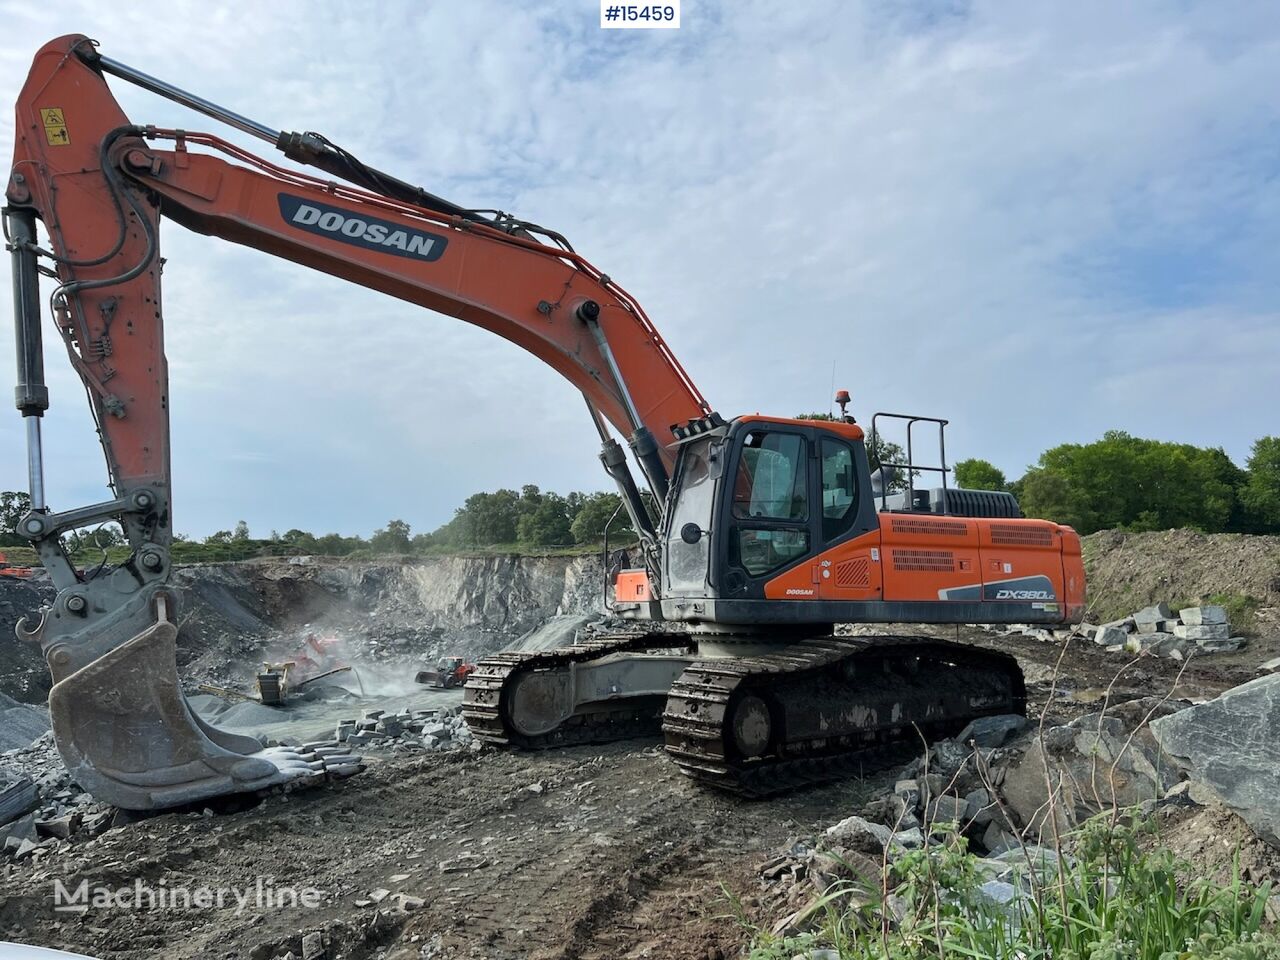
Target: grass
[
  {"x": 1242, "y": 610},
  {"x": 1111, "y": 899}
]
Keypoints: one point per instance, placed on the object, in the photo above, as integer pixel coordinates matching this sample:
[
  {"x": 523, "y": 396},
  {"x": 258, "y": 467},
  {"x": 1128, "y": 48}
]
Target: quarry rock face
[{"x": 1232, "y": 746}]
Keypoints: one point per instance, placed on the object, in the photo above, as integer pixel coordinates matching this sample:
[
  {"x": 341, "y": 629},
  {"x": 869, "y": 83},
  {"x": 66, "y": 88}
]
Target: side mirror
[
  {"x": 882, "y": 478},
  {"x": 691, "y": 533}
]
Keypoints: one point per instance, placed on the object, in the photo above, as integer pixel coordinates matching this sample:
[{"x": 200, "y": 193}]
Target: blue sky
[{"x": 1040, "y": 220}]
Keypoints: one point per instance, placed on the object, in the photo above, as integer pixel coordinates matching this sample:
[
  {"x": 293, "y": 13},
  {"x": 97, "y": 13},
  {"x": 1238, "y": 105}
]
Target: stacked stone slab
[{"x": 1157, "y": 631}]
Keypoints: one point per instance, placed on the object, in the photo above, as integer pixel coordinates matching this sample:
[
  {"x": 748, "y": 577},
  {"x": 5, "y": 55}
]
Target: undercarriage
[{"x": 755, "y": 723}]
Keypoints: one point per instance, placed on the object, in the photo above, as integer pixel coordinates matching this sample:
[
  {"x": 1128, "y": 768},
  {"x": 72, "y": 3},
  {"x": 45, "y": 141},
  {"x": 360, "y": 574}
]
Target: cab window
[
  {"x": 839, "y": 489},
  {"x": 770, "y": 503},
  {"x": 771, "y": 478},
  {"x": 762, "y": 551}
]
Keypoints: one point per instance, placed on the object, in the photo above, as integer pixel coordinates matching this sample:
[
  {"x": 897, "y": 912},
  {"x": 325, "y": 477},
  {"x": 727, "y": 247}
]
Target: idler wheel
[{"x": 752, "y": 727}]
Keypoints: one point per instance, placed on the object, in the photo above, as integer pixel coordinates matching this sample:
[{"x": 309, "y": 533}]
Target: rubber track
[
  {"x": 696, "y": 723},
  {"x": 483, "y": 696}
]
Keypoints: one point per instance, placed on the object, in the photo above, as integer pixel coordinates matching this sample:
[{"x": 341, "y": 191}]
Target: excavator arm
[{"x": 100, "y": 185}]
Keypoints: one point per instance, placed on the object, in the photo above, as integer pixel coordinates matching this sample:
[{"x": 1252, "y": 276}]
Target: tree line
[
  {"x": 1122, "y": 482},
  {"x": 1117, "y": 482},
  {"x": 519, "y": 520}
]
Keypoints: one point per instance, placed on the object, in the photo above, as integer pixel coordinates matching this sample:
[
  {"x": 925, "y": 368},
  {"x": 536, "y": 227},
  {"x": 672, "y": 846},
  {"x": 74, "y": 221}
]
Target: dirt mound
[{"x": 1128, "y": 571}]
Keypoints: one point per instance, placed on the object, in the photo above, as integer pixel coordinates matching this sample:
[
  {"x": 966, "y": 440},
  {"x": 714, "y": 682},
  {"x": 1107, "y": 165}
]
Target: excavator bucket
[{"x": 129, "y": 737}]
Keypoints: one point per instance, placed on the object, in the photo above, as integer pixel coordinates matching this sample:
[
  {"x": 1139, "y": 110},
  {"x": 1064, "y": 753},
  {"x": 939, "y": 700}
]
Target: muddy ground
[
  {"x": 596, "y": 852},
  {"x": 592, "y": 852}
]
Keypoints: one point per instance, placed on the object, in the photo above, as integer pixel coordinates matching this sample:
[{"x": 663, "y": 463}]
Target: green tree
[
  {"x": 393, "y": 538},
  {"x": 221, "y": 537},
  {"x": 489, "y": 518},
  {"x": 299, "y": 541},
  {"x": 548, "y": 524},
  {"x": 241, "y": 534},
  {"x": 595, "y": 510},
  {"x": 14, "y": 505},
  {"x": 336, "y": 545},
  {"x": 1045, "y": 494},
  {"x": 1261, "y": 491},
  {"x": 1128, "y": 482},
  {"x": 974, "y": 474}
]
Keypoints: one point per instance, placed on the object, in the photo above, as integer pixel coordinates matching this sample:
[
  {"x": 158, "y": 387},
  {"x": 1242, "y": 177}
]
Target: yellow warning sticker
[{"x": 55, "y": 126}]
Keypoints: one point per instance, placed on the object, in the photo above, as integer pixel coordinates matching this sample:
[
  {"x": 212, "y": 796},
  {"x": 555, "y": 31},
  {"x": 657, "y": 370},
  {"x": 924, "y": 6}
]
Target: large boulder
[
  {"x": 1232, "y": 746},
  {"x": 1093, "y": 763}
]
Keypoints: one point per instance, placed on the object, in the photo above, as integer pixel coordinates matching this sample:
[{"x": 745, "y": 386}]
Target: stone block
[
  {"x": 312, "y": 946},
  {"x": 996, "y": 731},
  {"x": 1152, "y": 614},
  {"x": 981, "y": 806},
  {"x": 948, "y": 809},
  {"x": 390, "y": 726},
  {"x": 1201, "y": 632},
  {"x": 1165, "y": 645},
  {"x": 861, "y": 835},
  {"x": 998, "y": 840},
  {"x": 1220, "y": 646},
  {"x": 911, "y": 839},
  {"x": 1200, "y": 616},
  {"x": 1156, "y": 626},
  {"x": 60, "y": 827},
  {"x": 1111, "y": 636},
  {"x": 24, "y": 828},
  {"x": 17, "y": 798}
]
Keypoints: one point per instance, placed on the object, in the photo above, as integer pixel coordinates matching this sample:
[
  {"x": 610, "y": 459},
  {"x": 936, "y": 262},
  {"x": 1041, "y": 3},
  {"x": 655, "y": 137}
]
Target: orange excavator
[
  {"x": 761, "y": 533},
  {"x": 8, "y": 569}
]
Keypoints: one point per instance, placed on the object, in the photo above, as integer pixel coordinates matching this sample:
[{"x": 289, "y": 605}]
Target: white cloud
[{"x": 1040, "y": 221}]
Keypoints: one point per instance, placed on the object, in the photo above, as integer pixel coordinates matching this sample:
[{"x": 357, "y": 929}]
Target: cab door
[
  {"x": 848, "y": 564},
  {"x": 767, "y": 511}
]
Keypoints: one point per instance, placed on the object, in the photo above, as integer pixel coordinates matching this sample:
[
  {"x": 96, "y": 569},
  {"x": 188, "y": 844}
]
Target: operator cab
[{"x": 759, "y": 496}]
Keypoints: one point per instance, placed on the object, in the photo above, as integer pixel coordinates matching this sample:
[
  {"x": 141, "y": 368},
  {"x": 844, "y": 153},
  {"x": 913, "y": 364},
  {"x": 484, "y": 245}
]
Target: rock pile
[
  {"x": 1095, "y": 762},
  {"x": 434, "y": 731},
  {"x": 1156, "y": 630},
  {"x": 1011, "y": 788},
  {"x": 40, "y": 806},
  {"x": 952, "y": 784},
  {"x": 850, "y": 865},
  {"x": 992, "y": 781}
]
